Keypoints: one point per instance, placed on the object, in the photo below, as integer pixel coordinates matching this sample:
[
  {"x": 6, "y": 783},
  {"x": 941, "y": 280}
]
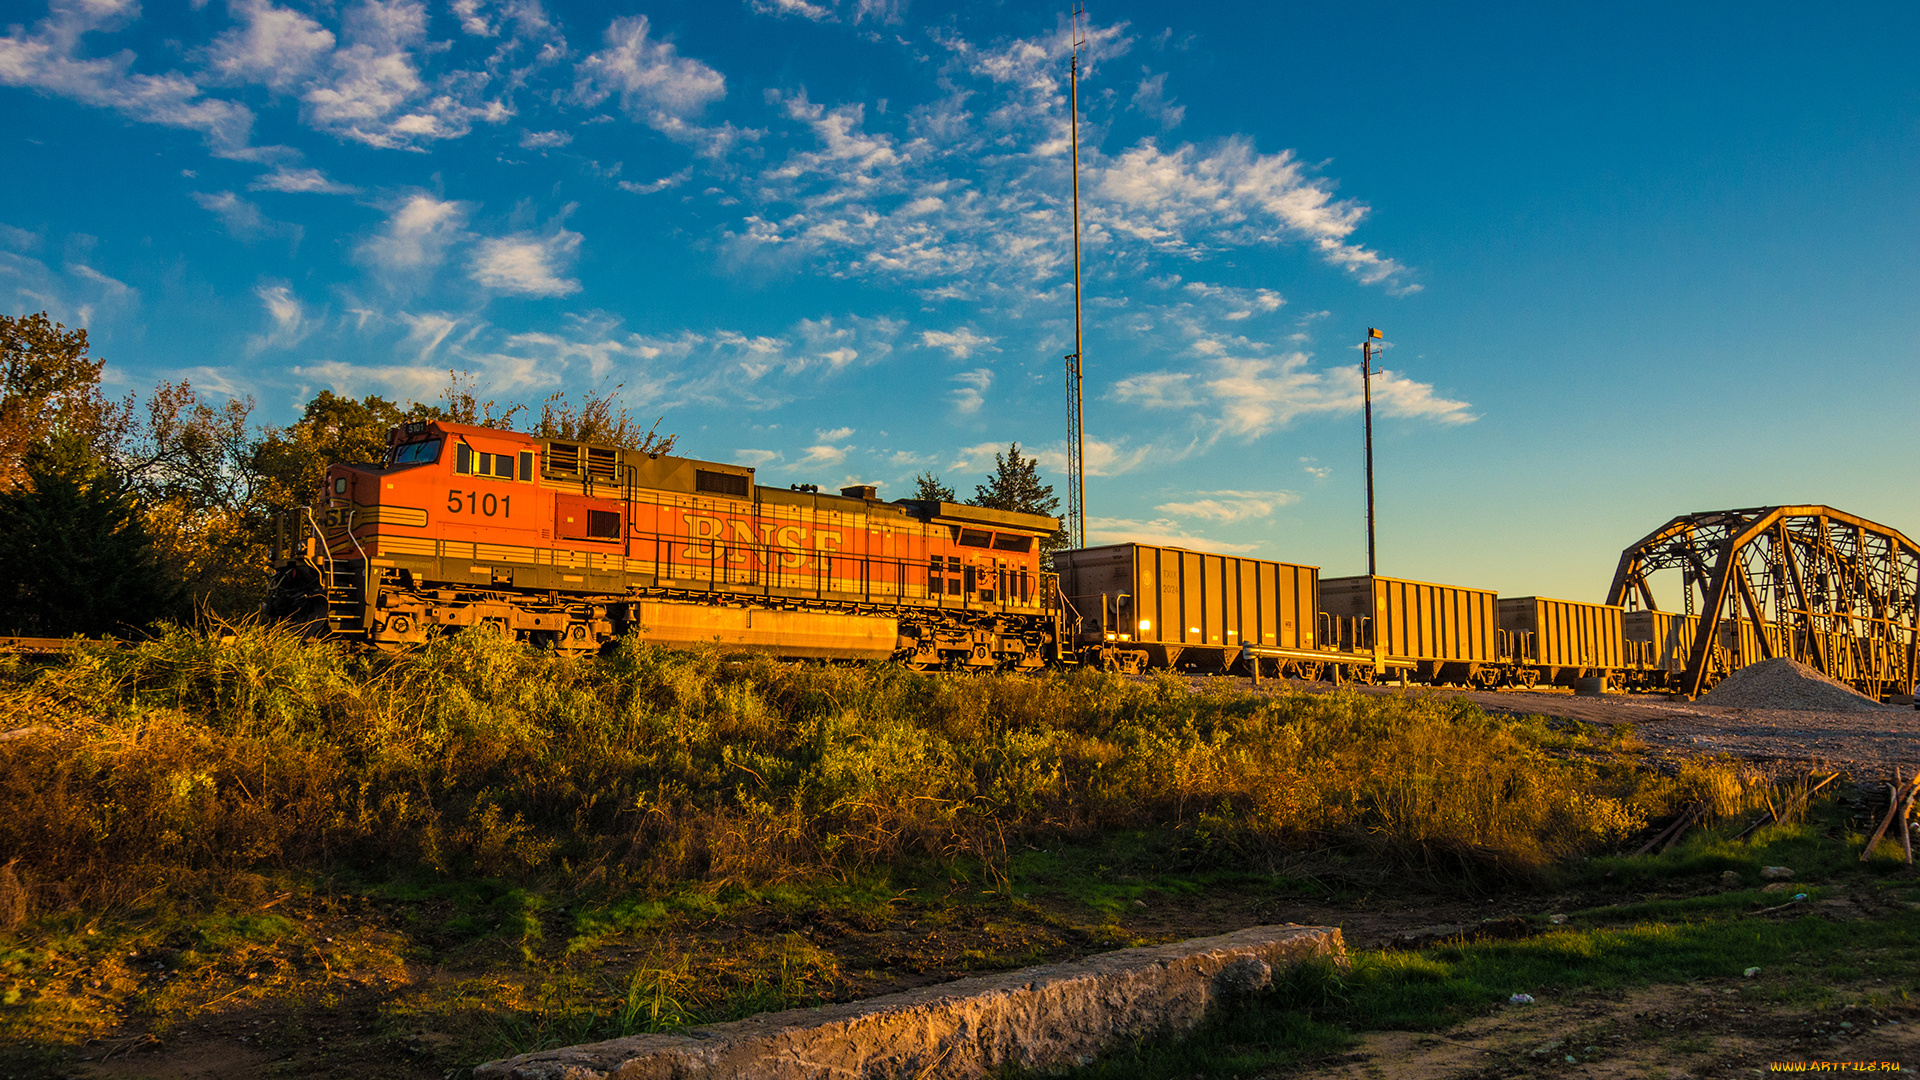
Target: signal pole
[
  {"x": 1366, "y": 390},
  {"x": 1076, "y": 413}
]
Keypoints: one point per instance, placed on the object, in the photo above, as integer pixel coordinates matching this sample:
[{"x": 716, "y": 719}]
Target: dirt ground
[
  {"x": 1670, "y": 1033},
  {"x": 1868, "y": 744}
]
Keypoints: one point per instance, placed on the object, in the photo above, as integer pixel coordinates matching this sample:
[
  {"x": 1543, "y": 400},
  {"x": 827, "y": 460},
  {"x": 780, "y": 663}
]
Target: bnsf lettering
[
  {"x": 483, "y": 504},
  {"x": 794, "y": 543}
]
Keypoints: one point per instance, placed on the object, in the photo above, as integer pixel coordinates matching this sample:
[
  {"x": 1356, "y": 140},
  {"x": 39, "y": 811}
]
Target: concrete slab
[{"x": 1037, "y": 1017}]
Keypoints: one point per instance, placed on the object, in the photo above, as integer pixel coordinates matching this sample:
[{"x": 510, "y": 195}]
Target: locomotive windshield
[{"x": 416, "y": 453}]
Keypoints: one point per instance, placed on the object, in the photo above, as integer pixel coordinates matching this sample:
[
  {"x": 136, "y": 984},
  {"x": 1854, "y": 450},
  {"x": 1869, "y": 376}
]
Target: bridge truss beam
[{"x": 1827, "y": 588}]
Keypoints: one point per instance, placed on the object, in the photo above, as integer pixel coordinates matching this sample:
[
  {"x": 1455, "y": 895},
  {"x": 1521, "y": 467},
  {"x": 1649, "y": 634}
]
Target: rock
[
  {"x": 1036, "y": 1018},
  {"x": 1731, "y": 878},
  {"x": 1243, "y": 976},
  {"x": 1781, "y": 683},
  {"x": 1778, "y": 886},
  {"x": 1776, "y": 873}
]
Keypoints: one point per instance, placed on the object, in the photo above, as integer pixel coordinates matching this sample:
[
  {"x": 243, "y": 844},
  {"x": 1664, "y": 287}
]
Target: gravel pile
[{"x": 1788, "y": 684}]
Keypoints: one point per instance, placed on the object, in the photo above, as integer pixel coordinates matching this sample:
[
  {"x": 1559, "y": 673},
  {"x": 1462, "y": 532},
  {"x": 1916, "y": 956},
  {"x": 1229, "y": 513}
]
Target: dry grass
[{"x": 195, "y": 762}]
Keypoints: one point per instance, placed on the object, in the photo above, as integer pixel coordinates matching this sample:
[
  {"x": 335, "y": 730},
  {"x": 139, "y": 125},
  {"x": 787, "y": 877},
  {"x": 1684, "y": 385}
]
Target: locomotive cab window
[
  {"x": 470, "y": 462},
  {"x": 416, "y": 453},
  {"x": 1008, "y": 542},
  {"x": 975, "y": 538}
]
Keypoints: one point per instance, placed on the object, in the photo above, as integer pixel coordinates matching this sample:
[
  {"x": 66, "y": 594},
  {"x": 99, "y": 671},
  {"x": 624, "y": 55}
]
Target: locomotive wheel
[{"x": 1524, "y": 678}]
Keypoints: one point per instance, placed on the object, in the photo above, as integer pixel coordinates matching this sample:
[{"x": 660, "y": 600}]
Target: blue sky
[{"x": 1630, "y": 263}]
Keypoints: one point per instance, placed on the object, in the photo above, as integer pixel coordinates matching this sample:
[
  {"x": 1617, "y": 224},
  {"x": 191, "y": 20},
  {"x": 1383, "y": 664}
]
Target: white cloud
[
  {"x": 800, "y": 8},
  {"x": 880, "y": 11},
  {"x": 973, "y": 390},
  {"x": 1243, "y": 390},
  {"x": 662, "y": 184},
  {"x": 822, "y": 455},
  {"x": 543, "y": 140},
  {"x": 1102, "y": 530},
  {"x": 756, "y": 458},
  {"x": 839, "y": 434},
  {"x": 1309, "y": 466},
  {"x": 47, "y": 60},
  {"x": 300, "y": 180},
  {"x": 290, "y": 324},
  {"x": 418, "y": 230},
  {"x": 426, "y": 332},
  {"x": 1229, "y": 506},
  {"x": 527, "y": 264},
  {"x": 967, "y": 195},
  {"x": 373, "y": 91},
  {"x": 407, "y": 382},
  {"x": 1236, "y": 195},
  {"x": 243, "y": 220},
  {"x": 657, "y": 86},
  {"x": 1151, "y": 99},
  {"x": 274, "y": 46},
  {"x": 1101, "y": 458},
  {"x": 961, "y": 343},
  {"x": 473, "y": 20}
]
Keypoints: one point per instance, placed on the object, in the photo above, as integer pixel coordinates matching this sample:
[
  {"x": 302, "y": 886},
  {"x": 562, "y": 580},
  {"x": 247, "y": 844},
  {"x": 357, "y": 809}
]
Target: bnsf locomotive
[{"x": 571, "y": 544}]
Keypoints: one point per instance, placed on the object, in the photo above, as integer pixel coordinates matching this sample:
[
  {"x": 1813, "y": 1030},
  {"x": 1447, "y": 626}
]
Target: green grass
[{"x": 1702, "y": 934}]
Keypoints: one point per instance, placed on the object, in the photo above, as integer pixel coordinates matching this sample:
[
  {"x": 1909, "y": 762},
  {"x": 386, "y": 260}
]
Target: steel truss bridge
[{"x": 1826, "y": 588}]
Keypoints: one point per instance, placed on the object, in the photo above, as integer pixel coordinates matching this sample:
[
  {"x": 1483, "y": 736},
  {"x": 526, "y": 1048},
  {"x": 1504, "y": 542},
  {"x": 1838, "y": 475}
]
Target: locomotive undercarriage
[{"x": 400, "y": 610}]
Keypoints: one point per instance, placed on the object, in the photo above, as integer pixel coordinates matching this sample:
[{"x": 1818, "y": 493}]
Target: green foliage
[
  {"x": 75, "y": 557},
  {"x": 49, "y": 388},
  {"x": 191, "y": 756},
  {"x": 928, "y": 488},
  {"x": 1015, "y": 485}
]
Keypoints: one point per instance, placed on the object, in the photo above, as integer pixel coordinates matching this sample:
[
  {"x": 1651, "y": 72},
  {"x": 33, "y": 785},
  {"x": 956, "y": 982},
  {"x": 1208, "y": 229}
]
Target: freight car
[
  {"x": 570, "y": 544},
  {"x": 1560, "y": 642},
  {"x": 1132, "y": 606}
]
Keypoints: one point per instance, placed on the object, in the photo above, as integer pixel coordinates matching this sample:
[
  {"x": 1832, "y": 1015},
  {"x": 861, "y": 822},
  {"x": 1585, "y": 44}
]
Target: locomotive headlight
[
  {"x": 1146, "y": 624},
  {"x": 340, "y": 485}
]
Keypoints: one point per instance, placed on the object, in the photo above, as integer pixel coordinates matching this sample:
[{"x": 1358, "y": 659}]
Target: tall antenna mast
[{"x": 1076, "y": 414}]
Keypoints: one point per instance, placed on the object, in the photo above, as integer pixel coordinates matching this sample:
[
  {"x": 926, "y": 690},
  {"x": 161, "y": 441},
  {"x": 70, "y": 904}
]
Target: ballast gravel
[{"x": 1781, "y": 683}]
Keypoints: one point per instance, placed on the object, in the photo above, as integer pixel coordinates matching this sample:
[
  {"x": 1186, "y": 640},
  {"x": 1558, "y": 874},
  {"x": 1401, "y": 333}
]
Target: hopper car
[{"x": 571, "y": 544}]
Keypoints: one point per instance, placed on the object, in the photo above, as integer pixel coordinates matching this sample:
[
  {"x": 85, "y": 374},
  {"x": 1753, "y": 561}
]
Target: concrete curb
[{"x": 1037, "y": 1017}]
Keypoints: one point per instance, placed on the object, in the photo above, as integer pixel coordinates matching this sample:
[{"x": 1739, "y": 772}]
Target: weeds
[{"x": 191, "y": 758}]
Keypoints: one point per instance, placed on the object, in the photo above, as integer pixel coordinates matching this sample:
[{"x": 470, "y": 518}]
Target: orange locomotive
[{"x": 571, "y": 544}]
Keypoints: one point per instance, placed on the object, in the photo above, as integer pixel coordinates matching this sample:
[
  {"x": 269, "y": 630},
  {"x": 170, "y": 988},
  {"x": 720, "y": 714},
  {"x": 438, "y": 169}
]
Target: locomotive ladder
[{"x": 342, "y": 584}]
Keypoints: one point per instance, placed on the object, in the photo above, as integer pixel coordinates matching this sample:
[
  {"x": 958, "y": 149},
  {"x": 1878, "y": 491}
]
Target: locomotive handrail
[{"x": 320, "y": 535}]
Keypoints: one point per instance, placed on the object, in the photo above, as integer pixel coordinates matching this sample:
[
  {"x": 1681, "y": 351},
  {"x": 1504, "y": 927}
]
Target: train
[{"x": 572, "y": 544}]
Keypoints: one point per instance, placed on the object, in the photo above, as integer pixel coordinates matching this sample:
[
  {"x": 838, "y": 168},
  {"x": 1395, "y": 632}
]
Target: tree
[
  {"x": 75, "y": 555},
  {"x": 928, "y": 488},
  {"x": 292, "y": 461},
  {"x": 598, "y": 418},
  {"x": 1015, "y": 485},
  {"x": 50, "y": 386}
]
